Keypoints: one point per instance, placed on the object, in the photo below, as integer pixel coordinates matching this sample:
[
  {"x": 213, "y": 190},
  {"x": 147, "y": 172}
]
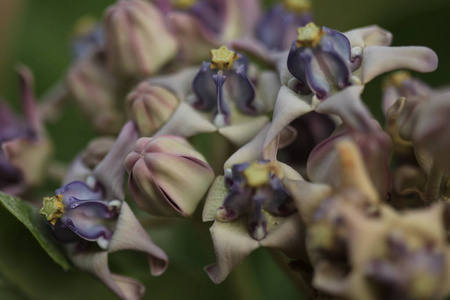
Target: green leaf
[{"x": 36, "y": 224}]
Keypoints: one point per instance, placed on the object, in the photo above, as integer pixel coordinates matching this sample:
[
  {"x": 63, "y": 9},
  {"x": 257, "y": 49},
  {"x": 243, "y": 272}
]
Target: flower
[
  {"x": 25, "y": 149},
  {"x": 231, "y": 102},
  {"x": 250, "y": 207},
  {"x": 137, "y": 41},
  {"x": 91, "y": 220},
  {"x": 375, "y": 149},
  {"x": 97, "y": 92},
  {"x": 422, "y": 121},
  {"x": 204, "y": 24},
  {"x": 347, "y": 62},
  {"x": 277, "y": 28},
  {"x": 167, "y": 176}
]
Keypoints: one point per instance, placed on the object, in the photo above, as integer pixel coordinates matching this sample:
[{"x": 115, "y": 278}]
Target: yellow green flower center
[
  {"x": 84, "y": 26},
  {"x": 53, "y": 208},
  {"x": 258, "y": 174},
  {"x": 222, "y": 58},
  {"x": 397, "y": 79},
  {"x": 297, "y": 6},
  {"x": 309, "y": 35},
  {"x": 183, "y": 4}
]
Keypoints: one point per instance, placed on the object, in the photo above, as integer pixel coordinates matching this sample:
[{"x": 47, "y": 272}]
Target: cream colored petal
[
  {"x": 110, "y": 171},
  {"x": 369, "y": 36},
  {"x": 179, "y": 83},
  {"x": 130, "y": 235},
  {"x": 287, "y": 235},
  {"x": 378, "y": 60},
  {"x": 288, "y": 107},
  {"x": 186, "y": 122},
  {"x": 348, "y": 105},
  {"x": 250, "y": 151},
  {"x": 241, "y": 133},
  {"x": 307, "y": 196},
  {"x": 217, "y": 193},
  {"x": 232, "y": 244}
]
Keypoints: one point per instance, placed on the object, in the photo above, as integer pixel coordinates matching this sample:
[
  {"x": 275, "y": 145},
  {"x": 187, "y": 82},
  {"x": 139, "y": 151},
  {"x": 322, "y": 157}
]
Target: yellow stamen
[
  {"x": 53, "y": 208},
  {"x": 396, "y": 79},
  {"x": 297, "y": 6},
  {"x": 222, "y": 58},
  {"x": 309, "y": 35},
  {"x": 258, "y": 174},
  {"x": 183, "y": 4},
  {"x": 84, "y": 25}
]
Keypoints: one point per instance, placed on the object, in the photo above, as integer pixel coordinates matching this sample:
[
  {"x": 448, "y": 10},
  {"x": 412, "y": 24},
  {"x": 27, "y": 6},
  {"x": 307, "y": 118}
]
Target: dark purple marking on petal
[
  {"x": 210, "y": 13},
  {"x": 273, "y": 29},
  {"x": 205, "y": 88},
  {"x": 78, "y": 191},
  {"x": 315, "y": 80},
  {"x": 89, "y": 219},
  {"x": 221, "y": 107},
  {"x": 297, "y": 67},
  {"x": 257, "y": 223}
]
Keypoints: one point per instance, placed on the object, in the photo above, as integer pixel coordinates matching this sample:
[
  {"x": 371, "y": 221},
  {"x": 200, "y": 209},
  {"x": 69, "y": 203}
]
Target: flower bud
[
  {"x": 150, "y": 106},
  {"x": 95, "y": 90},
  {"x": 167, "y": 176},
  {"x": 137, "y": 40}
]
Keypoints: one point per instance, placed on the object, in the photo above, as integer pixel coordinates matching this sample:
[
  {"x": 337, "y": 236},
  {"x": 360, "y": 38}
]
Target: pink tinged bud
[
  {"x": 375, "y": 147},
  {"x": 150, "y": 106},
  {"x": 137, "y": 40},
  {"x": 96, "y": 91},
  {"x": 167, "y": 176}
]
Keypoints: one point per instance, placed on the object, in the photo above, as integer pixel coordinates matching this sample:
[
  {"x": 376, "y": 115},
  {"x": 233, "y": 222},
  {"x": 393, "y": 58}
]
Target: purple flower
[
  {"x": 202, "y": 25},
  {"x": 250, "y": 207},
  {"x": 82, "y": 213},
  {"x": 91, "y": 220},
  {"x": 226, "y": 69},
  {"x": 326, "y": 71},
  {"x": 25, "y": 148},
  {"x": 277, "y": 28}
]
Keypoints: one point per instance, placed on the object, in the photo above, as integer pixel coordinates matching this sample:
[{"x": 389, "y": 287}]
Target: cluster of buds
[{"x": 307, "y": 170}]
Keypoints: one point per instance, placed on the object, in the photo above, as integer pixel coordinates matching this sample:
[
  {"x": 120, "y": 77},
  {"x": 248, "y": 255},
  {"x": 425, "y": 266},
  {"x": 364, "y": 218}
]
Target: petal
[
  {"x": 29, "y": 157},
  {"x": 267, "y": 89},
  {"x": 110, "y": 172},
  {"x": 232, "y": 244},
  {"x": 241, "y": 133},
  {"x": 91, "y": 220},
  {"x": 204, "y": 88},
  {"x": 307, "y": 196},
  {"x": 130, "y": 235},
  {"x": 240, "y": 18},
  {"x": 77, "y": 171},
  {"x": 216, "y": 194},
  {"x": 288, "y": 107},
  {"x": 182, "y": 179},
  {"x": 378, "y": 60},
  {"x": 194, "y": 38},
  {"x": 348, "y": 105},
  {"x": 179, "y": 83},
  {"x": 252, "y": 47},
  {"x": 78, "y": 190},
  {"x": 186, "y": 122},
  {"x": 286, "y": 235},
  {"x": 369, "y": 36},
  {"x": 250, "y": 151},
  {"x": 243, "y": 92},
  {"x": 97, "y": 263},
  {"x": 30, "y": 108}
]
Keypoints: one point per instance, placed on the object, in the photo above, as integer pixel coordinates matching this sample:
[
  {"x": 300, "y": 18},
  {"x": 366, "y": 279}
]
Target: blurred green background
[{"x": 37, "y": 33}]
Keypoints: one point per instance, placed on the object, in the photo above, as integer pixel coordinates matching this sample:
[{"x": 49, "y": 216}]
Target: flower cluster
[{"x": 301, "y": 164}]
